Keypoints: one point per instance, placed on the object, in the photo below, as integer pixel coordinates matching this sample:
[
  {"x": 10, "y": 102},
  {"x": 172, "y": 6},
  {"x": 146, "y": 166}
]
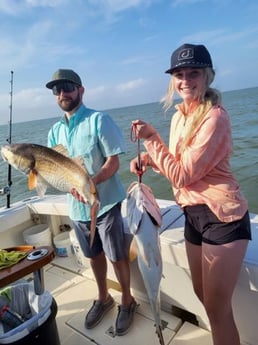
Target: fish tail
[
  {"x": 93, "y": 215},
  {"x": 160, "y": 335}
]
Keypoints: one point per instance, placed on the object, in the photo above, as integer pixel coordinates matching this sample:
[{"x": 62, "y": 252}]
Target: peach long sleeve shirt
[{"x": 202, "y": 174}]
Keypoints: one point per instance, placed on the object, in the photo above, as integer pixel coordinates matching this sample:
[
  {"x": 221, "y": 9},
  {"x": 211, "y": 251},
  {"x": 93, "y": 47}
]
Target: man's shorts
[
  {"x": 109, "y": 236},
  {"x": 201, "y": 225}
]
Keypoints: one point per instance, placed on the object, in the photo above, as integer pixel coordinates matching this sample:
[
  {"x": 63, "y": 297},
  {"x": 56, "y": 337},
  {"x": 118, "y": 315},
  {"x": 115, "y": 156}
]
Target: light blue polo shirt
[{"x": 93, "y": 136}]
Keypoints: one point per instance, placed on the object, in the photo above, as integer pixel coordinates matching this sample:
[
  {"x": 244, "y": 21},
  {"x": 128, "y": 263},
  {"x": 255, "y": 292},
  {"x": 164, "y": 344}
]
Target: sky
[{"x": 120, "y": 48}]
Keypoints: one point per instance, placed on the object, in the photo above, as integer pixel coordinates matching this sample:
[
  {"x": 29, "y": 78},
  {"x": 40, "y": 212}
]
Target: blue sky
[{"x": 120, "y": 48}]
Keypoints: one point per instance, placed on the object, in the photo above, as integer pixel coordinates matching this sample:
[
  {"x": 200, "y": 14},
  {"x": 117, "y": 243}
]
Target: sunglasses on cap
[{"x": 65, "y": 86}]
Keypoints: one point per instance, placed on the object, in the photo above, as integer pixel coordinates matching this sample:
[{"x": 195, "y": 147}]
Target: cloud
[
  {"x": 120, "y": 48},
  {"x": 113, "y": 91},
  {"x": 114, "y": 6},
  {"x": 133, "y": 60},
  {"x": 130, "y": 85},
  {"x": 186, "y": 2},
  {"x": 16, "y": 7},
  {"x": 10, "y": 7},
  {"x": 46, "y": 3},
  {"x": 28, "y": 104},
  {"x": 32, "y": 98},
  {"x": 216, "y": 37},
  {"x": 97, "y": 92},
  {"x": 118, "y": 5}
]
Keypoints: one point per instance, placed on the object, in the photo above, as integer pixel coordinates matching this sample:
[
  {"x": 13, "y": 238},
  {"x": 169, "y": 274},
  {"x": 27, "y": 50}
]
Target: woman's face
[{"x": 189, "y": 83}]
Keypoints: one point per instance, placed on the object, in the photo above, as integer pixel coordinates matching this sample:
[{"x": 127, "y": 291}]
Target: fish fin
[
  {"x": 32, "y": 179},
  {"x": 79, "y": 160},
  {"x": 60, "y": 149},
  {"x": 133, "y": 250},
  {"x": 41, "y": 188},
  {"x": 93, "y": 215},
  {"x": 63, "y": 150}
]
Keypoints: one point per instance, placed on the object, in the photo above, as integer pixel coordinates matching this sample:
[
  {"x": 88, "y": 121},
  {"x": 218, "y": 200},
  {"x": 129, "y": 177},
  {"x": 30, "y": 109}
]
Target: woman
[{"x": 217, "y": 225}]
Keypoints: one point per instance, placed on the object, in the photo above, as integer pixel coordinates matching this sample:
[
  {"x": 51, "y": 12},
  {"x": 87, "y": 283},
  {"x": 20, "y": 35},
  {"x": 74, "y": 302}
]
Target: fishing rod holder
[{"x": 5, "y": 190}]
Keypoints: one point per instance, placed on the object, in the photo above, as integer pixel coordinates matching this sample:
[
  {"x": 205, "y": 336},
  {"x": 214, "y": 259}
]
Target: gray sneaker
[
  {"x": 97, "y": 312},
  {"x": 125, "y": 318}
]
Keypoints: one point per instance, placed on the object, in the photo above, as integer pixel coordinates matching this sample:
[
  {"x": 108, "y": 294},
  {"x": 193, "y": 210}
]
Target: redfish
[{"x": 52, "y": 167}]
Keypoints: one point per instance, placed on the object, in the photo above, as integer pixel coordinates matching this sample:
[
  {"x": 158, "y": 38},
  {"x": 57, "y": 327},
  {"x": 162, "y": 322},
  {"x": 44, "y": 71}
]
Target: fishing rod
[
  {"x": 8, "y": 196},
  {"x": 7, "y": 189}
]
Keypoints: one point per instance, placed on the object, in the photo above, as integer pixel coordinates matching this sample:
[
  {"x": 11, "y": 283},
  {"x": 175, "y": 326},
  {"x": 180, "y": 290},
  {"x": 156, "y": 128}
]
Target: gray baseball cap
[{"x": 64, "y": 75}]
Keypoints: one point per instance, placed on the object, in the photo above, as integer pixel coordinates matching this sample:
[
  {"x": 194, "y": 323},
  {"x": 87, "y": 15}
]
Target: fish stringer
[{"x": 134, "y": 138}]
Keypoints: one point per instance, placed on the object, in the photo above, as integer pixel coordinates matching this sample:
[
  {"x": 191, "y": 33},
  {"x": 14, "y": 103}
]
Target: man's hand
[{"x": 77, "y": 196}]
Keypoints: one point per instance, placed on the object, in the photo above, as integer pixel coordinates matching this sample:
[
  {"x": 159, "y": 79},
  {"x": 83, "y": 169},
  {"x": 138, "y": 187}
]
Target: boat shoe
[
  {"x": 97, "y": 312},
  {"x": 125, "y": 318}
]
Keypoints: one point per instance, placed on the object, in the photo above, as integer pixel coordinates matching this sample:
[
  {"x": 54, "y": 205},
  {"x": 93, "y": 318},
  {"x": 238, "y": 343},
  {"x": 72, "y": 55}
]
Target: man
[{"x": 96, "y": 138}]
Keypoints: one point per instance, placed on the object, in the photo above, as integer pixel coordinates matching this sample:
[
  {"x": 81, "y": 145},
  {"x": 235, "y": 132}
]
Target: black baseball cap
[
  {"x": 64, "y": 75},
  {"x": 190, "y": 55}
]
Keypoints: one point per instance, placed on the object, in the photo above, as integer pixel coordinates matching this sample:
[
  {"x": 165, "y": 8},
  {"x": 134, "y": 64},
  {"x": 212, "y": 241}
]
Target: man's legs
[
  {"x": 99, "y": 268},
  {"x": 104, "y": 302},
  {"x": 128, "y": 305},
  {"x": 122, "y": 272}
]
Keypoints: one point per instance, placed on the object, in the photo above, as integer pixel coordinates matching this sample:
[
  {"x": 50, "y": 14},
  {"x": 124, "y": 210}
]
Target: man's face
[{"x": 69, "y": 95}]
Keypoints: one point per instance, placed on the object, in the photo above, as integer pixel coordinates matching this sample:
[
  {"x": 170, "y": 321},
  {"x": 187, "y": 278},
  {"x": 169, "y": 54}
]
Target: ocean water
[{"x": 242, "y": 106}]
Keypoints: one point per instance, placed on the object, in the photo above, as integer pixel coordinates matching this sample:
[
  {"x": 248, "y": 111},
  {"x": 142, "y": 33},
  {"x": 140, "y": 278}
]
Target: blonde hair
[{"x": 207, "y": 100}]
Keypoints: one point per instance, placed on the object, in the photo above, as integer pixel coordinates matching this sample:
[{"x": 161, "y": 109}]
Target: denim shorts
[
  {"x": 109, "y": 235},
  {"x": 201, "y": 225}
]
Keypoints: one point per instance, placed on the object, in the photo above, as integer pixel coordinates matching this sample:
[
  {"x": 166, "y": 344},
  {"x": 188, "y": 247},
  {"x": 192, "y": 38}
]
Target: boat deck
[{"x": 74, "y": 289}]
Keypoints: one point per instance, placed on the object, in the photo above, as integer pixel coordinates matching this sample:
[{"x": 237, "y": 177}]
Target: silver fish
[
  {"x": 52, "y": 167},
  {"x": 144, "y": 219}
]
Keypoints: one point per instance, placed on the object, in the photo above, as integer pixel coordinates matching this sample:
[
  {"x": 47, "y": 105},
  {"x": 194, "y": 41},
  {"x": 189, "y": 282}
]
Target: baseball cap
[
  {"x": 64, "y": 75},
  {"x": 190, "y": 55}
]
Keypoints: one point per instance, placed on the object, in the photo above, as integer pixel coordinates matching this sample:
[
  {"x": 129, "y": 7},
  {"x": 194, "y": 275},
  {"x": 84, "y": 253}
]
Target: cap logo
[{"x": 185, "y": 54}]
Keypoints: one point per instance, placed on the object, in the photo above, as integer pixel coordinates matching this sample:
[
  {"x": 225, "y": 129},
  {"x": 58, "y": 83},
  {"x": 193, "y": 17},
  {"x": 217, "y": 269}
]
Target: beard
[{"x": 69, "y": 104}]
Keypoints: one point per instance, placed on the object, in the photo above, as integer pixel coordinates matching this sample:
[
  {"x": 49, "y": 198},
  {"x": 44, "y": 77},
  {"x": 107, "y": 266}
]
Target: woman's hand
[
  {"x": 134, "y": 164},
  {"x": 142, "y": 130}
]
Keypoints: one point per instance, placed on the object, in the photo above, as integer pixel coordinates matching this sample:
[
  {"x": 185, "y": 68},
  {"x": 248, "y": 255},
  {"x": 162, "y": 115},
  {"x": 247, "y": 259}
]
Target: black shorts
[{"x": 201, "y": 225}]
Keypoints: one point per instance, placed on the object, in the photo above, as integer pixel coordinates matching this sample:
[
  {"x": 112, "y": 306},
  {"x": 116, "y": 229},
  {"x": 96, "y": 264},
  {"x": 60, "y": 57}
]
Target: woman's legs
[
  {"x": 215, "y": 270},
  {"x": 194, "y": 255}
]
